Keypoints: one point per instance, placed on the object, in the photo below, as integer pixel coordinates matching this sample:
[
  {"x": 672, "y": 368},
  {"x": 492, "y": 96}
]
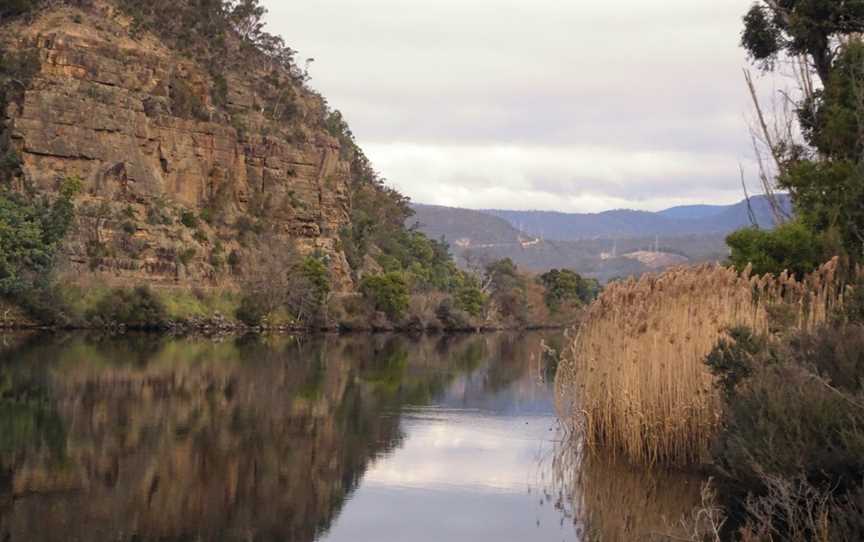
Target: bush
[
  {"x": 564, "y": 286},
  {"x": 310, "y": 295},
  {"x": 732, "y": 360},
  {"x": 277, "y": 278},
  {"x": 387, "y": 293},
  {"x": 508, "y": 289},
  {"x": 253, "y": 309},
  {"x": 450, "y": 316},
  {"x": 136, "y": 308},
  {"x": 188, "y": 219},
  {"x": 791, "y": 246},
  {"x": 187, "y": 255},
  {"x": 30, "y": 234},
  {"x": 793, "y": 429},
  {"x": 471, "y": 300},
  {"x": 185, "y": 103}
]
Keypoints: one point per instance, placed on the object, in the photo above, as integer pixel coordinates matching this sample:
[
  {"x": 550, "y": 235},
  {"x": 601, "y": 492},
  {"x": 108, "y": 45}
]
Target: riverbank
[
  {"x": 16, "y": 320},
  {"x": 173, "y": 309}
]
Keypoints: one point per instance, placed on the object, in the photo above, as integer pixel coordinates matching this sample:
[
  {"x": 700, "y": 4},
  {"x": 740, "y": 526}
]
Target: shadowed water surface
[{"x": 352, "y": 438}]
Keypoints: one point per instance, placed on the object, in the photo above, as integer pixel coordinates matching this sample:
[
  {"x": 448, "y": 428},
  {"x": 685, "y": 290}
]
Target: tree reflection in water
[{"x": 152, "y": 438}]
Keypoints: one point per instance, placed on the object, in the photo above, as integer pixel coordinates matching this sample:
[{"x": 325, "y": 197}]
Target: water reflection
[
  {"x": 352, "y": 438},
  {"x": 608, "y": 499},
  {"x": 143, "y": 438}
]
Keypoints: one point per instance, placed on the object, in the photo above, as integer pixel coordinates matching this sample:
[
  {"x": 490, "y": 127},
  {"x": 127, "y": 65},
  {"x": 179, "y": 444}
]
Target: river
[{"x": 337, "y": 439}]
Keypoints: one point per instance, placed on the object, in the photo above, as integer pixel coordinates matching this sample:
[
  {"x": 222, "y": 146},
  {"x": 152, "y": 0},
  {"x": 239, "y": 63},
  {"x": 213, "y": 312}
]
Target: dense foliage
[
  {"x": 206, "y": 29},
  {"x": 800, "y": 27},
  {"x": 377, "y": 233},
  {"x": 137, "y": 308},
  {"x": 279, "y": 280},
  {"x": 823, "y": 174},
  {"x": 566, "y": 286},
  {"x": 31, "y": 230},
  {"x": 508, "y": 289},
  {"x": 792, "y": 246},
  {"x": 792, "y": 444},
  {"x": 387, "y": 293}
]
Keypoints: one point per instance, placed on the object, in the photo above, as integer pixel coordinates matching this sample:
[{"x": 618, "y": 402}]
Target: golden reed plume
[{"x": 634, "y": 380}]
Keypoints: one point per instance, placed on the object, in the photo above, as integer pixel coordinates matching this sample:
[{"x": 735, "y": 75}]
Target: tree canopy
[
  {"x": 824, "y": 172},
  {"x": 800, "y": 27}
]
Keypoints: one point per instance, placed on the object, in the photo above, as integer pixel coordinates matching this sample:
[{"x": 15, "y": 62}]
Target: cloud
[
  {"x": 566, "y": 178},
  {"x": 560, "y": 104}
]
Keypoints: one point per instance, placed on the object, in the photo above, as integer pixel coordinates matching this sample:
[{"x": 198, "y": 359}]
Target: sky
[{"x": 567, "y": 105}]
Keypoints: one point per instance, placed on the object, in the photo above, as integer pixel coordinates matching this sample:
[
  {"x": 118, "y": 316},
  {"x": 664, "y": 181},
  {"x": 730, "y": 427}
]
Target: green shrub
[
  {"x": 564, "y": 285},
  {"x": 253, "y": 309},
  {"x": 732, "y": 360},
  {"x": 219, "y": 91},
  {"x": 471, "y": 299},
  {"x": 31, "y": 230},
  {"x": 794, "y": 419},
  {"x": 136, "y": 308},
  {"x": 217, "y": 260},
  {"x": 791, "y": 246},
  {"x": 387, "y": 293},
  {"x": 185, "y": 103},
  {"x": 186, "y": 256},
  {"x": 317, "y": 277},
  {"x": 188, "y": 219}
]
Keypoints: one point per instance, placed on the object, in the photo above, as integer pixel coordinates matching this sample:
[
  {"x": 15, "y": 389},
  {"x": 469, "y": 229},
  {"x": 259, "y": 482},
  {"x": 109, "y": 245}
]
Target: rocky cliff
[{"x": 185, "y": 171}]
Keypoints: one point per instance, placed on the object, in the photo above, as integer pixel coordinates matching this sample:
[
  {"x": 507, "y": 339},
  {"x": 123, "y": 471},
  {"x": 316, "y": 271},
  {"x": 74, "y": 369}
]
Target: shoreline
[{"x": 242, "y": 329}]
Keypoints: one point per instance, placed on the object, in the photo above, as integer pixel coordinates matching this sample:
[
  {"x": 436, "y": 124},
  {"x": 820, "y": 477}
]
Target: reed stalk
[{"x": 634, "y": 381}]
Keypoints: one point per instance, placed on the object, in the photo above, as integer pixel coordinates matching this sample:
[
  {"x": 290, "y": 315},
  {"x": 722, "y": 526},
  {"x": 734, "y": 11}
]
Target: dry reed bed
[{"x": 634, "y": 381}]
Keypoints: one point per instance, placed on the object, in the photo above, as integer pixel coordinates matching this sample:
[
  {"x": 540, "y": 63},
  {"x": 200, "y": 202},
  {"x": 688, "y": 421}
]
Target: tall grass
[{"x": 634, "y": 381}]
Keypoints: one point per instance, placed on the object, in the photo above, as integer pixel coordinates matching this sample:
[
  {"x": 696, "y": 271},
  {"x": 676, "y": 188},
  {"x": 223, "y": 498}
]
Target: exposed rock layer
[{"x": 106, "y": 104}]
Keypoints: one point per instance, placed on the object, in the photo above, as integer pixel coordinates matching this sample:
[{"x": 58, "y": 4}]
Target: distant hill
[
  {"x": 688, "y": 212},
  {"x": 625, "y": 223},
  {"x": 690, "y": 234},
  {"x": 463, "y": 224}
]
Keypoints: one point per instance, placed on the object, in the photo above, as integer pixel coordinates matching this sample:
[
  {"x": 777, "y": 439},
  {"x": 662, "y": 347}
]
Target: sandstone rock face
[{"x": 112, "y": 107}]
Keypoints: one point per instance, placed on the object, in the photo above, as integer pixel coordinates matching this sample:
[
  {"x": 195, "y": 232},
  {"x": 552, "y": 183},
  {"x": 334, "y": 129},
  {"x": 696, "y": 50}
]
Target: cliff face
[{"x": 174, "y": 184}]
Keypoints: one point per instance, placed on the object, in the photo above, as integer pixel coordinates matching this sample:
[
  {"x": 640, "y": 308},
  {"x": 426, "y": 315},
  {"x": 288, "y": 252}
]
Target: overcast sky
[{"x": 570, "y": 105}]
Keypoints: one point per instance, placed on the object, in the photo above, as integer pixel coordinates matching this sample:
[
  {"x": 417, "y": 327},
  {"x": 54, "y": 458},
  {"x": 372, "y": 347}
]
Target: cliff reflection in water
[{"x": 144, "y": 438}]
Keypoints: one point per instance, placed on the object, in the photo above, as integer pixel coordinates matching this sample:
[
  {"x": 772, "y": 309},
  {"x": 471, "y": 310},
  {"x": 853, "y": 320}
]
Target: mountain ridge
[
  {"x": 603, "y": 245},
  {"x": 675, "y": 221}
]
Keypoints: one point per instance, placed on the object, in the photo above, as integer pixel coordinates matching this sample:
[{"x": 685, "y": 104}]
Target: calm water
[{"x": 357, "y": 438}]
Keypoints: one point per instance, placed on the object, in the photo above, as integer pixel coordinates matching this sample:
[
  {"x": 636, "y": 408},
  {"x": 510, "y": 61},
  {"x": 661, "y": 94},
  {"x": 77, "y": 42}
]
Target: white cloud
[
  {"x": 556, "y": 104},
  {"x": 566, "y": 178}
]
